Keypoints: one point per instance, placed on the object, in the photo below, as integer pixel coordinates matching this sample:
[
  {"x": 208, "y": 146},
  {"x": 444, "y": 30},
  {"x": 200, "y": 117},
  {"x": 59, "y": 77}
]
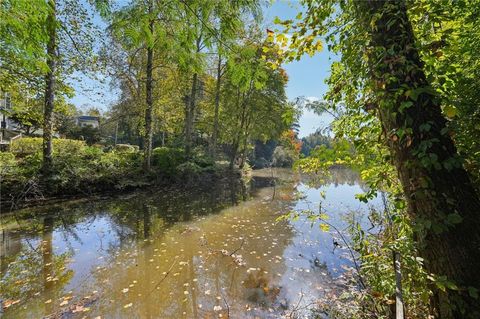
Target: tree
[
  {"x": 389, "y": 81},
  {"x": 49, "y": 95},
  {"x": 45, "y": 41},
  {"x": 438, "y": 190},
  {"x": 22, "y": 43},
  {"x": 255, "y": 106},
  {"x": 158, "y": 31}
]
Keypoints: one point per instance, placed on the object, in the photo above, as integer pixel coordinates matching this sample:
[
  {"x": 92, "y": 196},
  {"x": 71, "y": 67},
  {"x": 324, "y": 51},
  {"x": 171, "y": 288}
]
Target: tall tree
[
  {"x": 381, "y": 73},
  {"x": 218, "y": 85},
  {"x": 254, "y": 101},
  {"x": 149, "y": 89},
  {"x": 151, "y": 36},
  {"x": 51, "y": 24},
  {"x": 438, "y": 190}
]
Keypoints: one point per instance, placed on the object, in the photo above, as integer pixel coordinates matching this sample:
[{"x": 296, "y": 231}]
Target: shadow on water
[{"x": 172, "y": 254}]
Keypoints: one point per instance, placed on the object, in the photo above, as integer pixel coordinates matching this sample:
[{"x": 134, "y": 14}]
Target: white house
[{"x": 85, "y": 120}]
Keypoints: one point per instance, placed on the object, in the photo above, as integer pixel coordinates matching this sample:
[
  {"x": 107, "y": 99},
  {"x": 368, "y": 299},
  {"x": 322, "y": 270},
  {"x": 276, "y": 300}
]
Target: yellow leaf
[{"x": 450, "y": 111}]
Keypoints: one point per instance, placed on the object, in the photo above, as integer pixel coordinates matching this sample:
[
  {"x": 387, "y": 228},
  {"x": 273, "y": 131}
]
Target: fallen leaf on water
[
  {"x": 7, "y": 303},
  {"x": 80, "y": 309}
]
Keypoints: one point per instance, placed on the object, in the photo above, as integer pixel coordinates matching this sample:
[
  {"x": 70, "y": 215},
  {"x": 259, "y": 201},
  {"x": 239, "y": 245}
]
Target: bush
[
  {"x": 26, "y": 146},
  {"x": 204, "y": 161},
  {"x": 31, "y": 145},
  {"x": 8, "y": 166},
  {"x": 167, "y": 159},
  {"x": 283, "y": 157},
  {"x": 189, "y": 169},
  {"x": 126, "y": 148},
  {"x": 62, "y": 146},
  {"x": 76, "y": 166}
]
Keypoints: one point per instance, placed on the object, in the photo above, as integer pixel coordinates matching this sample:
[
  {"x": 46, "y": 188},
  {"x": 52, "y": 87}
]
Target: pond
[{"x": 215, "y": 253}]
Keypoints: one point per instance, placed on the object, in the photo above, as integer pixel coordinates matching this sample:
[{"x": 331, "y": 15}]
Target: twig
[
  {"x": 296, "y": 308},
  {"x": 241, "y": 245},
  {"x": 226, "y": 305},
  {"x": 357, "y": 267},
  {"x": 164, "y": 277}
]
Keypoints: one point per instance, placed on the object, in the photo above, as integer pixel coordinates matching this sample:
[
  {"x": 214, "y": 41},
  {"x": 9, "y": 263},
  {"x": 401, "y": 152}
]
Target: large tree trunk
[
  {"x": 49, "y": 89},
  {"x": 233, "y": 155},
  {"x": 149, "y": 101},
  {"x": 441, "y": 199},
  {"x": 190, "y": 116},
  {"x": 213, "y": 147}
]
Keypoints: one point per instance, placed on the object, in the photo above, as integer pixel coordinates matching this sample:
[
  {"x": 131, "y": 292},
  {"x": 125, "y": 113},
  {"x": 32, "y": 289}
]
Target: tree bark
[
  {"x": 190, "y": 115},
  {"x": 149, "y": 99},
  {"x": 47, "y": 261},
  {"x": 441, "y": 199},
  {"x": 49, "y": 89},
  {"x": 213, "y": 150}
]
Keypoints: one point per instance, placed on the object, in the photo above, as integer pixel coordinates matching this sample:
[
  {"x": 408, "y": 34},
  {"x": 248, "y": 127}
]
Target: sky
[{"x": 306, "y": 77}]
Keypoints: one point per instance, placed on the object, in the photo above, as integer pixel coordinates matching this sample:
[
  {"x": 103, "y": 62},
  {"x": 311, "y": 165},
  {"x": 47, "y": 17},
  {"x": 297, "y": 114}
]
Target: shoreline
[{"x": 158, "y": 182}]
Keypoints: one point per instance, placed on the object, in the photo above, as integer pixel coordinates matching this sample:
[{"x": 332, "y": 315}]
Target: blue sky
[{"x": 306, "y": 77}]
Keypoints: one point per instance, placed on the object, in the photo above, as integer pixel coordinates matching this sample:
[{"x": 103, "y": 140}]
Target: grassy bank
[{"x": 80, "y": 170}]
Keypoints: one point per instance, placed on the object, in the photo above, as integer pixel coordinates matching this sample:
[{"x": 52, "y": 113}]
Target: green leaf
[{"x": 454, "y": 218}]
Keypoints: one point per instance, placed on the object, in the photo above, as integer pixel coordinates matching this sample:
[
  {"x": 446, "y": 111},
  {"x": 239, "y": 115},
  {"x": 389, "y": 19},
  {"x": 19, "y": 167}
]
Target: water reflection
[{"x": 168, "y": 254}]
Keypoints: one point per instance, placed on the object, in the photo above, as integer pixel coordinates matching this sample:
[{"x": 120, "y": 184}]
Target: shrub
[
  {"x": 204, "y": 161},
  {"x": 167, "y": 159},
  {"x": 31, "y": 145},
  {"x": 63, "y": 146},
  {"x": 26, "y": 146},
  {"x": 188, "y": 169},
  {"x": 31, "y": 164},
  {"x": 126, "y": 148},
  {"x": 283, "y": 157},
  {"x": 8, "y": 165}
]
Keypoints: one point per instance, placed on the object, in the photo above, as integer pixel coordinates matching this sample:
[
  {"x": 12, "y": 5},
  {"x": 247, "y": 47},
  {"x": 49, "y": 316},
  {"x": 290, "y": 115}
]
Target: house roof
[{"x": 88, "y": 118}]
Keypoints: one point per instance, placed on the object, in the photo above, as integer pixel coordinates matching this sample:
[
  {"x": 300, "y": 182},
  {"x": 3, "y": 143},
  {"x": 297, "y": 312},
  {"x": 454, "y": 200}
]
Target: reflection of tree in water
[
  {"x": 336, "y": 176},
  {"x": 193, "y": 268},
  {"x": 37, "y": 270},
  {"x": 259, "y": 289},
  {"x": 135, "y": 225},
  {"x": 167, "y": 207}
]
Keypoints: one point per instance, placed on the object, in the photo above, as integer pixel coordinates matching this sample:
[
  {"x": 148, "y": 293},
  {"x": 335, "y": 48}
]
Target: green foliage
[
  {"x": 283, "y": 157},
  {"x": 9, "y": 169},
  {"x": 76, "y": 166},
  {"x": 167, "y": 159},
  {"x": 89, "y": 134},
  {"x": 323, "y": 157},
  {"x": 310, "y": 142},
  {"x": 188, "y": 169},
  {"x": 125, "y": 148},
  {"x": 27, "y": 146}
]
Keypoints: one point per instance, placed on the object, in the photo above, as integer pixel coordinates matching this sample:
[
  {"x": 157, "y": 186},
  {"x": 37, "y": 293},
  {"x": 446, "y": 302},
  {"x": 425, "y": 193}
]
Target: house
[
  {"x": 85, "y": 120},
  {"x": 5, "y": 107}
]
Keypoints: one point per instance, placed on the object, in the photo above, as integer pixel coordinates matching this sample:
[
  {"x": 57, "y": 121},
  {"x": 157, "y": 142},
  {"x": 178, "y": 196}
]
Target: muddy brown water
[{"x": 215, "y": 253}]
